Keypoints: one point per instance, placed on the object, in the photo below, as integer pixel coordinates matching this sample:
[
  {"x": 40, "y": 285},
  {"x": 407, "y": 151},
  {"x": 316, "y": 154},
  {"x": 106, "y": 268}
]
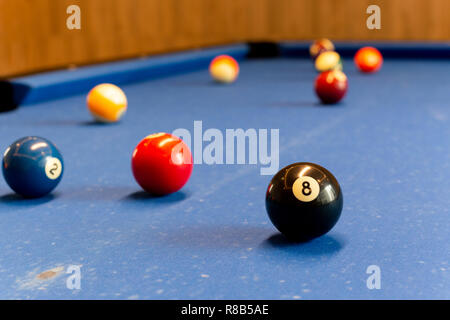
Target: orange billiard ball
[
  {"x": 368, "y": 59},
  {"x": 107, "y": 102},
  {"x": 224, "y": 69}
]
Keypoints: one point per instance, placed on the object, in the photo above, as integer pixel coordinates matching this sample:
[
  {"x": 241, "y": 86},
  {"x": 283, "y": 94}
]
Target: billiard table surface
[{"x": 387, "y": 143}]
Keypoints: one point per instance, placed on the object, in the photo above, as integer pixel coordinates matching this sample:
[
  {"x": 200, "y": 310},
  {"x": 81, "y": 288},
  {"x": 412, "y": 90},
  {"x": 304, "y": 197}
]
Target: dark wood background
[{"x": 34, "y": 37}]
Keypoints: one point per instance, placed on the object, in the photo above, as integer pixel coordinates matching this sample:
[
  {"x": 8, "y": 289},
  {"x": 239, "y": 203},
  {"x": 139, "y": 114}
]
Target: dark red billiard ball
[
  {"x": 368, "y": 60},
  {"x": 304, "y": 201},
  {"x": 161, "y": 163},
  {"x": 331, "y": 86}
]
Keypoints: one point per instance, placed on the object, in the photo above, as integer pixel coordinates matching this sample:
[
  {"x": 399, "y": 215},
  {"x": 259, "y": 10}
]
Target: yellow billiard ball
[
  {"x": 327, "y": 61},
  {"x": 107, "y": 102},
  {"x": 224, "y": 69}
]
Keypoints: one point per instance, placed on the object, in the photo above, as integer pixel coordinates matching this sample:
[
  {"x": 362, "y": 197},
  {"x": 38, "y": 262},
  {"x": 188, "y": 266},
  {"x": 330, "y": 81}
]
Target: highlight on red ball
[
  {"x": 368, "y": 59},
  {"x": 162, "y": 163},
  {"x": 181, "y": 154},
  {"x": 224, "y": 69}
]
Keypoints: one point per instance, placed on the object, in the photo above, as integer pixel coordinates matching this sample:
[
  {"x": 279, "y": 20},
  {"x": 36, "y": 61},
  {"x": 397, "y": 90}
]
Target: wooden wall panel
[
  {"x": 420, "y": 20},
  {"x": 33, "y": 33}
]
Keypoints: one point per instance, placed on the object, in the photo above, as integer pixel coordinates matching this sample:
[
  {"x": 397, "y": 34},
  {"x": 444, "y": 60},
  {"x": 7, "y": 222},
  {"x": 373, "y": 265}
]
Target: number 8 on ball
[{"x": 304, "y": 201}]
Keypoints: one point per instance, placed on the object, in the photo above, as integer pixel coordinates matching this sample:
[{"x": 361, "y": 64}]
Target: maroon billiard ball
[
  {"x": 331, "y": 86},
  {"x": 319, "y": 46}
]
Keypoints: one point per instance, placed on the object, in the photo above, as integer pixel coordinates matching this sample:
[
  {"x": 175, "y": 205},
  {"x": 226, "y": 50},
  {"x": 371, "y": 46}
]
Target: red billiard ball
[
  {"x": 368, "y": 59},
  {"x": 331, "y": 86},
  {"x": 161, "y": 163}
]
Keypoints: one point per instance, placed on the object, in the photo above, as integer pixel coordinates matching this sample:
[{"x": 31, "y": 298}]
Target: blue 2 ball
[{"x": 32, "y": 166}]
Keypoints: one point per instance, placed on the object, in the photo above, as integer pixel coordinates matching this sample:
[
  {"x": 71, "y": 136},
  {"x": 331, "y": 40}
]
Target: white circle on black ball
[
  {"x": 306, "y": 189},
  {"x": 53, "y": 168}
]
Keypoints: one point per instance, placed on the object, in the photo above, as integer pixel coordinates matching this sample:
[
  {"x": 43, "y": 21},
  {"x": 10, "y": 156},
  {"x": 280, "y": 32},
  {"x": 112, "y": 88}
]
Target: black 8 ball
[{"x": 304, "y": 201}]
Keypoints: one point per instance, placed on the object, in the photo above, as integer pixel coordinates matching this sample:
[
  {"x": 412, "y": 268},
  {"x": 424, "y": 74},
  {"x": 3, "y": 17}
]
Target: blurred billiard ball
[
  {"x": 107, "y": 102},
  {"x": 224, "y": 69},
  {"x": 319, "y": 46},
  {"x": 32, "y": 166},
  {"x": 161, "y": 163},
  {"x": 331, "y": 86},
  {"x": 304, "y": 201},
  {"x": 368, "y": 59},
  {"x": 328, "y": 60}
]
